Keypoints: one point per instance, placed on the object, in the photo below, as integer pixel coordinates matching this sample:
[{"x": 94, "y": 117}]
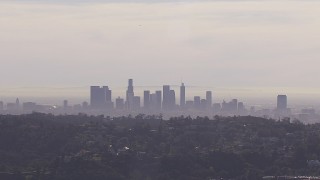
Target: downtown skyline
[{"x": 166, "y": 101}]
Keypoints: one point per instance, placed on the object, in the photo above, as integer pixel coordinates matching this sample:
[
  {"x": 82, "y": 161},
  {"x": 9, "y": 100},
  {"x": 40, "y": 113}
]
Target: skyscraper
[
  {"x": 100, "y": 97},
  {"x": 108, "y": 94},
  {"x": 109, "y": 103},
  {"x": 172, "y": 100},
  {"x": 282, "y": 102},
  {"x": 208, "y": 100},
  {"x": 153, "y": 101},
  {"x": 197, "y": 102},
  {"x": 159, "y": 100},
  {"x": 146, "y": 99},
  {"x": 166, "y": 97},
  {"x": 119, "y": 103},
  {"x": 1, "y": 106},
  {"x": 234, "y": 105},
  {"x": 203, "y": 104},
  {"x": 130, "y": 95},
  {"x": 136, "y": 102},
  {"x": 182, "y": 95}
]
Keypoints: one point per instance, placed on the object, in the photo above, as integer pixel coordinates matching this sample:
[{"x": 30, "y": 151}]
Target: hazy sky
[{"x": 219, "y": 44}]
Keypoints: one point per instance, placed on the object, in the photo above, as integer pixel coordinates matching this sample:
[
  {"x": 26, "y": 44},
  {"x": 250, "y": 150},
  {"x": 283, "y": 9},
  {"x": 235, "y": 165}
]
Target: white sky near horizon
[{"x": 234, "y": 48}]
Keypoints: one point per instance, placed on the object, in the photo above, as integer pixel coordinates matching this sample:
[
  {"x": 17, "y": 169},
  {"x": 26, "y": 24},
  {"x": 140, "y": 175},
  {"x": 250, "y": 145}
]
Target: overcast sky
[{"x": 219, "y": 44}]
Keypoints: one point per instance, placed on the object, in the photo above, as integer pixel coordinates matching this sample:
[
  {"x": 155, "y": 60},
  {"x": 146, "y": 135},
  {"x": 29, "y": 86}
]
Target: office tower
[
  {"x": 203, "y": 104},
  {"x": 119, "y": 103},
  {"x": 166, "y": 97},
  {"x": 146, "y": 99},
  {"x": 109, "y": 103},
  {"x": 96, "y": 97},
  {"x": 196, "y": 102},
  {"x": 136, "y": 102},
  {"x": 234, "y": 105},
  {"x": 130, "y": 95},
  {"x": 241, "y": 108},
  {"x": 153, "y": 103},
  {"x": 108, "y": 94},
  {"x": 282, "y": 102},
  {"x": 100, "y": 97},
  {"x": 224, "y": 106},
  {"x": 65, "y": 104},
  {"x": 159, "y": 100},
  {"x": 182, "y": 95},
  {"x": 172, "y": 100},
  {"x": 1, "y": 106},
  {"x": 209, "y": 99}
]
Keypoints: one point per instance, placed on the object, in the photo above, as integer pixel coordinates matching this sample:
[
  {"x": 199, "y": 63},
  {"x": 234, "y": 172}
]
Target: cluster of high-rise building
[{"x": 166, "y": 100}]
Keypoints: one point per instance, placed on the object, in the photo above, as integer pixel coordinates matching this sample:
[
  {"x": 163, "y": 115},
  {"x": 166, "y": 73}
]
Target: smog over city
[{"x": 159, "y": 89}]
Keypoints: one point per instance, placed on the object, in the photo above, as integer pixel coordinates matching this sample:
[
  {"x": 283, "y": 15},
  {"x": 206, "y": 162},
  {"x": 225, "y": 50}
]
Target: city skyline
[
  {"x": 54, "y": 95},
  {"x": 165, "y": 101}
]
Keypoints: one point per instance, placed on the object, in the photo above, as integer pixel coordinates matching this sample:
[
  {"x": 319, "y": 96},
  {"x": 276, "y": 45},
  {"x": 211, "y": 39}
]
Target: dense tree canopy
[{"x": 66, "y": 147}]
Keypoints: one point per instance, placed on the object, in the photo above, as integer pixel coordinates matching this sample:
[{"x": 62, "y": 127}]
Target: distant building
[
  {"x": 282, "y": 103},
  {"x": 241, "y": 108},
  {"x": 172, "y": 100},
  {"x": 1, "y": 106},
  {"x": 136, "y": 102},
  {"x": 230, "y": 107},
  {"x": 130, "y": 95},
  {"x": 197, "y": 102},
  {"x": 203, "y": 104},
  {"x": 119, "y": 103},
  {"x": 209, "y": 99},
  {"x": 97, "y": 96},
  {"x": 166, "y": 97},
  {"x": 146, "y": 99},
  {"x": 159, "y": 100},
  {"x": 234, "y": 105},
  {"x": 100, "y": 97},
  {"x": 153, "y": 101},
  {"x": 182, "y": 95}
]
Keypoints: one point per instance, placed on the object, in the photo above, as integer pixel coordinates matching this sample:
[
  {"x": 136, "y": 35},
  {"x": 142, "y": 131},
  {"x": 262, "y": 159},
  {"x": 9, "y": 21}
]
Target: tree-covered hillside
[{"x": 67, "y": 147}]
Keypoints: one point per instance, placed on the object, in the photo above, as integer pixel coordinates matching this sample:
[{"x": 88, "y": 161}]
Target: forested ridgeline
[{"x": 43, "y": 146}]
